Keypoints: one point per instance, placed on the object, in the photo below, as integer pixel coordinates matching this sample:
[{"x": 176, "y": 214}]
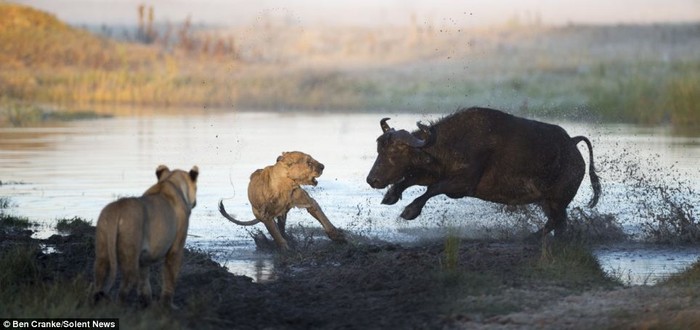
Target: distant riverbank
[{"x": 644, "y": 74}]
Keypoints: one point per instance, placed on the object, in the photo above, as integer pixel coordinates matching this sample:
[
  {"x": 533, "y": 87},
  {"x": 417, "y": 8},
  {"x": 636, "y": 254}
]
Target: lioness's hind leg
[
  {"x": 145, "y": 286},
  {"x": 273, "y": 229},
  {"x": 103, "y": 277},
  {"x": 282, "y": 224},
  {"x": 129, "y": 264},
  {"x": 129, "y": 280},
  {"x": 171, "y": 268}
]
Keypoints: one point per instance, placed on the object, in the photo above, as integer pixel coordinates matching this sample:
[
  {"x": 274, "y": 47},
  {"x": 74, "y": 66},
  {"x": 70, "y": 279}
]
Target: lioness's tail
[
  {"x": 107, "y": 229},
  {"x": 595, "y": 181},
  {"x": 112, "y": 250},
  {"x": 223, "y": 212}
]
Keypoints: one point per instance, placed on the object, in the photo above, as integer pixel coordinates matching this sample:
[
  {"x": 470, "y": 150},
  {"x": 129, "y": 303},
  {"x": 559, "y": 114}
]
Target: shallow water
[
  {"x": 74, "y": 169},
  {"x": 637, "y": 264}
]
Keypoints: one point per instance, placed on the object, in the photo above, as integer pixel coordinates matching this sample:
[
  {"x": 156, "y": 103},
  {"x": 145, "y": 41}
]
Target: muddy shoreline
[{"x": 365, "y": 284}]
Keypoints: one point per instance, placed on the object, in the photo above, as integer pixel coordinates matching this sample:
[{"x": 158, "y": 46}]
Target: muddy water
[{"x": 74, "y": 169}]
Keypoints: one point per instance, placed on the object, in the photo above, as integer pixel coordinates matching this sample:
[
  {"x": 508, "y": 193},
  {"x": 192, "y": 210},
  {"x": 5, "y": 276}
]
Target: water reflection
[
  {"x": 260, "y": 270},
  {"x": 239, "y": 258}
]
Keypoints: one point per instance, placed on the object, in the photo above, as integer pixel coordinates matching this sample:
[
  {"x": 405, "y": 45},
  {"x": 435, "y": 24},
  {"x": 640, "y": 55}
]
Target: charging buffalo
[{"x": 487, "y": 154}]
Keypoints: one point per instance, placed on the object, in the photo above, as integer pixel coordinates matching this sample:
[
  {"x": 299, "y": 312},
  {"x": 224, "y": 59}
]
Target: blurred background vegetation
[{"x": 644, "y": 74}]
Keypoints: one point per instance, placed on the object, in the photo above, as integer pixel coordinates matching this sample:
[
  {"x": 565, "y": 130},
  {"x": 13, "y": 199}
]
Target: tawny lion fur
[
  {"x": 136, "y": 232},
  {"x": 276, "y": 189}
]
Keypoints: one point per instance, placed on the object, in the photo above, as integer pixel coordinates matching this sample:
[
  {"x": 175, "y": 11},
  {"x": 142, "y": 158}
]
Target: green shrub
[{"x": 72, "y": 225}]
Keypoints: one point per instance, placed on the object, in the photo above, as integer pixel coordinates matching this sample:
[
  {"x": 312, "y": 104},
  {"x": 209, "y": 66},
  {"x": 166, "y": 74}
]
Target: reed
[
  {"x": 649, "y": 93},
  {"x": 451, "y": 261},
  {"x": 573, "y": 263}
]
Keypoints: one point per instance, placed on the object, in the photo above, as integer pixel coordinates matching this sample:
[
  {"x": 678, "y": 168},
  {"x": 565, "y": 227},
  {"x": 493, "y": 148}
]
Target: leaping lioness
[{"x": 276, "y": 189}]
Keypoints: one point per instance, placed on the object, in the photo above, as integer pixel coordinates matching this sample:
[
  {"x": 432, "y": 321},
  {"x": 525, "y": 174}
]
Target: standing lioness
[
  {"x": 138, "y": 231},
  {"x": 276, "y": 189}
]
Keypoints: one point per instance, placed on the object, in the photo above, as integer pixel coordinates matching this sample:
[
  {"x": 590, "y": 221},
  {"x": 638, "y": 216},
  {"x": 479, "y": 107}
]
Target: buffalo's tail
[
  {"x": 223, "y": 212},
  {"x": 595, "y": 181}
]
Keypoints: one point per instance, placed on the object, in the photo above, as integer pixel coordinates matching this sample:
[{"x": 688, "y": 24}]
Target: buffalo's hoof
[
  {"x": 411, "y": 212},
  {"x": 390, "y": 199}
]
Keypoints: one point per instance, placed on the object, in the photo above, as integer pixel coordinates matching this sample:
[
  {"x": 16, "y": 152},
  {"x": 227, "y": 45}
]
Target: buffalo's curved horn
[
  {"x": 384, "y": 125},
  {"x": 408, "y": 138}
]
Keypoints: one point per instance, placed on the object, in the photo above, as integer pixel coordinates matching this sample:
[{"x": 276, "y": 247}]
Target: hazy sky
[{"x": 363, "y": 12}]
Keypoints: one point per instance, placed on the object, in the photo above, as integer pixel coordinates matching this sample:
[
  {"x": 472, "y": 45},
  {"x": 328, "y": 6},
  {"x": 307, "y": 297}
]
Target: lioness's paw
[
  {"x": 337, "y": 236},
  {"x": 98, "y": 297}
]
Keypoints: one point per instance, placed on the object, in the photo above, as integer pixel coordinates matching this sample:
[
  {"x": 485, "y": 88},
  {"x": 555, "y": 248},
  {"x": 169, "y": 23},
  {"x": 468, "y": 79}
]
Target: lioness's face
[{"x": 301, "y": 168}]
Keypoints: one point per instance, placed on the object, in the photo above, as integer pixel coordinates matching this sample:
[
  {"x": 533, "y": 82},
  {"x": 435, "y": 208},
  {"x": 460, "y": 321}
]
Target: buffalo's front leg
[
  {"x": 455, "y": 188},
  {"x": 394, "y": 193},
  {"x": 414, "y": 209}
]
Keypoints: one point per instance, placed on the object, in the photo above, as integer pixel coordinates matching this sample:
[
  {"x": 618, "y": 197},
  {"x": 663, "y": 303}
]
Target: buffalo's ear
[
  {"x": 425, "y": 128},
  {"x": 194, "y": 173},
  {"x": 161, "y": 171},
  {"x": 428, "y": 133},
  {"x": 408, "y": 139}
]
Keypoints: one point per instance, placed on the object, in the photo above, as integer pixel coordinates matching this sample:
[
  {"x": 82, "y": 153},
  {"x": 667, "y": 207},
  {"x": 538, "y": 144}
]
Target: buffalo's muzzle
[{"x": 374, "y": 182}]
